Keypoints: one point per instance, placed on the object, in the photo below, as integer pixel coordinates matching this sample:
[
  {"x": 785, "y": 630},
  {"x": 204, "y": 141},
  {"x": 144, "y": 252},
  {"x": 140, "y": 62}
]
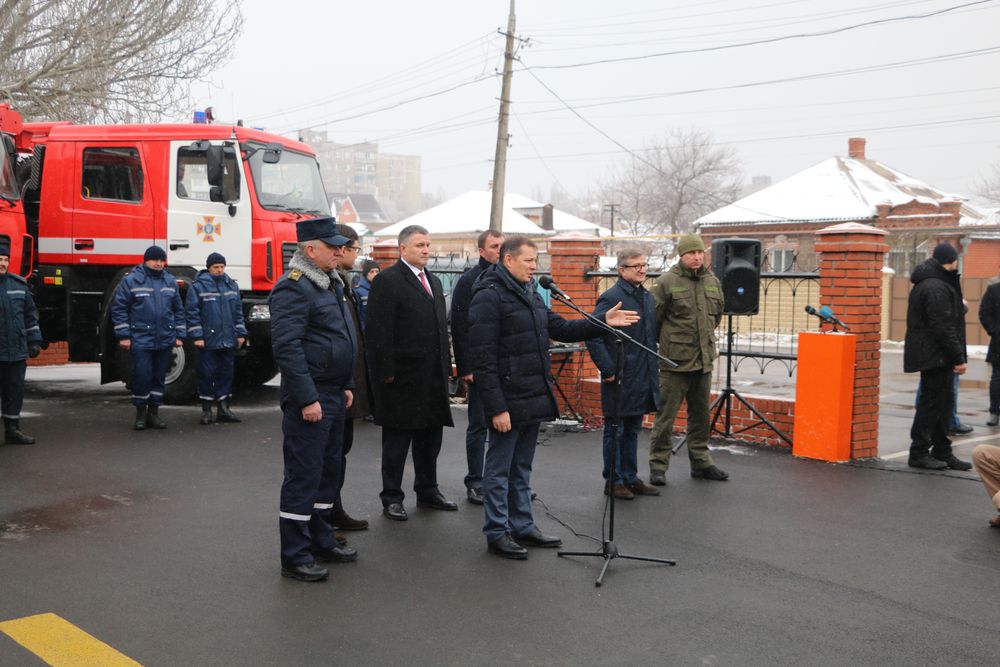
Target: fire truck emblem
[{"x": 209, "y": 229}]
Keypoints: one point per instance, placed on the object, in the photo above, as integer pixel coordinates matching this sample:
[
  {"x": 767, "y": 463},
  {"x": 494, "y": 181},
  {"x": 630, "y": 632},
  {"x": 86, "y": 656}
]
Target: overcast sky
[{"x": 929, "y": 104}]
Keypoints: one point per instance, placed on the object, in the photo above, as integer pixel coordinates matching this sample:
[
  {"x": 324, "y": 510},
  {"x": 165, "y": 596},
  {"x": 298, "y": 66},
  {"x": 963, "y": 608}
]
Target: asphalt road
[{"x": 164, "y": 545}]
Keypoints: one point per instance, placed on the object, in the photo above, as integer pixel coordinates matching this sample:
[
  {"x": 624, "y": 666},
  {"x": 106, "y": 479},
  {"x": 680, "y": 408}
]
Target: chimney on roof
[
  {"x": 547, "y": 217},
  {"x": 856, "y": 148}
]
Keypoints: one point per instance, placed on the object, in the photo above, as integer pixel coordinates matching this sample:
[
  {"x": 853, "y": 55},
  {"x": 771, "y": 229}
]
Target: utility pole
[
  {"x": 503, "y": 138},
  {"x": 611, "y": 207}
]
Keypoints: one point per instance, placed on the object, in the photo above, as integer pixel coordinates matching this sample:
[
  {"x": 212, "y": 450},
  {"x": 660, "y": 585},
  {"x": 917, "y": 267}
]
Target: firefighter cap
[{"x": 323, "y": 229}]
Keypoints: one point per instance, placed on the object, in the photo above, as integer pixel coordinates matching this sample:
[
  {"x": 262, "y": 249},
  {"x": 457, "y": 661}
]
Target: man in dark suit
[
  {"x": 475, "y": 436},
  {"x": 409, "y": 361}
]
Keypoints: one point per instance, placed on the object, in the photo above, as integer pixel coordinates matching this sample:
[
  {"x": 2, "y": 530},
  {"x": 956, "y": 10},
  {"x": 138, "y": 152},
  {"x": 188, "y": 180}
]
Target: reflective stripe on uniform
[
  {"x": 322, "y": 506},
  {"x": 294, "y": 517}
]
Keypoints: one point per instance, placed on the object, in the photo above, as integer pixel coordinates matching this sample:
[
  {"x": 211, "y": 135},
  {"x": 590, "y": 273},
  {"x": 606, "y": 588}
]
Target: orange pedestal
[{"x": 824, "y": 396}]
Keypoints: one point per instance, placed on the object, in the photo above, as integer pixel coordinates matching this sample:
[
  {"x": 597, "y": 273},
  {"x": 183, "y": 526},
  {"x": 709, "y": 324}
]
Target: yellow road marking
[{"x": 61, "y": 644}]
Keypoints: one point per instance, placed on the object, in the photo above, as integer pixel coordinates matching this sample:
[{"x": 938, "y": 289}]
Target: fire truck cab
[{"x": 93, "y": 198}]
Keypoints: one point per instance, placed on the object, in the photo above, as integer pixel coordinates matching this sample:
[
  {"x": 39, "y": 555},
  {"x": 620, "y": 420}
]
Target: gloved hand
[{"x": 34, "y": 351}]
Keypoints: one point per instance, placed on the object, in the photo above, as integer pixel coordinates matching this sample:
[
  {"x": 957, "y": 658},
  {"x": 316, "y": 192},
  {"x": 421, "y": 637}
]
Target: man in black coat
[
  {"x": 509, "y": 336},
  {"x": 935, "y": 346},
  {"x": 489, "y": 243},
  {"x": 314, "y": 345},
  {"x": 20, "y": 338},
  {"x": 639, "y": 393},
  {"x": 410, "y": 363},
  {"x": 989, "y": 317}
]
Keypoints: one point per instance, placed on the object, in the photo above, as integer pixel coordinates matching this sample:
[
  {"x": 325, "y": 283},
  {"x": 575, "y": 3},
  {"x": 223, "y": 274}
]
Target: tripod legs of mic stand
[{"x": 609, "y": 552}]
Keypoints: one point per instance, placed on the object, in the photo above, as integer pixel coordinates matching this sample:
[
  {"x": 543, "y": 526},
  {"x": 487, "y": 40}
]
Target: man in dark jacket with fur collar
[
  {"x": 935, "y": 346},
  {"x": 314, "y": 344},
  {"x": 509, "y": 339}
]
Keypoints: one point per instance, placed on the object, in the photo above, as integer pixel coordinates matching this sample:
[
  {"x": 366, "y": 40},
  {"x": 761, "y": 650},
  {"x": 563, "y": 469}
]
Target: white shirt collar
[{"x": 416, "y": 270}]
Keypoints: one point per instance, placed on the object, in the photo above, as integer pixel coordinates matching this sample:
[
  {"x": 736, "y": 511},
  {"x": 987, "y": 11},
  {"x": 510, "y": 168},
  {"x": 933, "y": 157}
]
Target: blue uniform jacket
[
  {"x": 148, "y": 309},
  {"x": 18, "y": 319},
  {"x": 361, "y": 292},
  {"x": 215, "y": 311},
  {"x": 312, "y": 337},
  {"x": 509, "y": 340},
  {"x": 640, "y": 389}
]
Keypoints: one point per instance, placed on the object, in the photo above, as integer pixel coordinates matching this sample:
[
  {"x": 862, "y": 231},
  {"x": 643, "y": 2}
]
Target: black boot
[
  {"x": 12, "y": 433},
  {"x": 225, "y": 414},
  {"x": 206, "y": 412},
  {"x": 153, "y": 417},
  {"x": 140, "y": 418}
]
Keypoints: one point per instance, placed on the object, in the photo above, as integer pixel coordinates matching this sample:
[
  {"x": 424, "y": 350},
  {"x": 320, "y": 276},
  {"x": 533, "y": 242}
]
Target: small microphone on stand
[{"x": 550, "y": 285}]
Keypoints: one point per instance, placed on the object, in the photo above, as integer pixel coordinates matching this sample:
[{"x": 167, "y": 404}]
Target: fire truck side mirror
[
  {"x": 215, "y": 167},
  {"x": 272, "y": 153}
]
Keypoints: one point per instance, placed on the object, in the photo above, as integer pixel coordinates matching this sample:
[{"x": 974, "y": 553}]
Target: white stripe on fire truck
[{"x": 117, "y": 246}]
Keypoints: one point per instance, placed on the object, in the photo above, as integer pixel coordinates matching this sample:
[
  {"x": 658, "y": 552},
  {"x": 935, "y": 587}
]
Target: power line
[{"x": 768, "y": 40}]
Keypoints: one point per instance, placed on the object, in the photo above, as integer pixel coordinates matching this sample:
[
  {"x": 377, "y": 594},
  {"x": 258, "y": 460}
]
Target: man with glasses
[{"x": 638, "y": 394}]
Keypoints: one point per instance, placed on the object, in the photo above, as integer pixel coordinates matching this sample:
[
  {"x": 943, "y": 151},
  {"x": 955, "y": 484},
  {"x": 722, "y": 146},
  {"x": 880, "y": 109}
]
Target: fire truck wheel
[
  {"x": 256, "y": 367},
  {"x": 181, "y": 378}
]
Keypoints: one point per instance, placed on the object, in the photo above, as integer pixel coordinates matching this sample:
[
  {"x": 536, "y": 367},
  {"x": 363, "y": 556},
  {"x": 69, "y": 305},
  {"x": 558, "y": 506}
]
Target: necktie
[{"x": 423, "y": 280}]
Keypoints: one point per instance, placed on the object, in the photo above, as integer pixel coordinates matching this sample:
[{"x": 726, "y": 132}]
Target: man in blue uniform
[
  {"x": 314, "y": 344},
  {"x": 148, "y": 317},
  {"x": 215, "y": 324},
  {"x": 20, "y": 338}
]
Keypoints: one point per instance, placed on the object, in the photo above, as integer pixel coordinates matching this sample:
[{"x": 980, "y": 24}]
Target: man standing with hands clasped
[
  {"x": 689, "y": 307},
  {"x": 215, "y": 323},
  {"x": 935, "y": 346},
  {"x": 314, "y": 344},
  {"x": 510, "y": 331}
]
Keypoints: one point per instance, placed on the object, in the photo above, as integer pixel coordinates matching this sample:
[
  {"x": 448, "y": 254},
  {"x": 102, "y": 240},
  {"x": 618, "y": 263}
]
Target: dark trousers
[
  {"x": 149, "y": 372},
  {"x": 312, "y": 469},
  {"x": 507, "y": 482},
  {"x": 953, "y": 421},
  {"x": 475, "y": 438},
  {"x": 338, "y": 506},
  {"x": 627, "y": 464},
  {"x": 695, "y": 388},
  {"x": 395, "y": 445},
  {"x": 215, "y": 374},
  {"x": 12, "y": 388},
  {"x": 929, "y": 433},
  {"x": 995, "y": 389}
]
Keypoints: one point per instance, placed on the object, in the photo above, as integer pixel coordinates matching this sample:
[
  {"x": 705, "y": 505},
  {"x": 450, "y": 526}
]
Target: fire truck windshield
[
  {"x": 291, "y": 184},
  {"x": 8, "y": 186}
]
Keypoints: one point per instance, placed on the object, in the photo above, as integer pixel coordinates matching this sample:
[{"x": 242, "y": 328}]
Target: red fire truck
[{"x": 80, "y": 204}]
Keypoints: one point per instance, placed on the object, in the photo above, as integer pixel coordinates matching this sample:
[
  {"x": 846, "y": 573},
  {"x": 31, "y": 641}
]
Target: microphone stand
[{"x": 609, "y": 549}]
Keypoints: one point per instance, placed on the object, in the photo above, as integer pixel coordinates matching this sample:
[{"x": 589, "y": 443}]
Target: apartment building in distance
[{"x": 360, "y": 168}]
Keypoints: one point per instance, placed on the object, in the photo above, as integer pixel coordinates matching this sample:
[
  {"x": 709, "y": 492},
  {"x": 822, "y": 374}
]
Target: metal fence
[{"x": 770, "y": 336}]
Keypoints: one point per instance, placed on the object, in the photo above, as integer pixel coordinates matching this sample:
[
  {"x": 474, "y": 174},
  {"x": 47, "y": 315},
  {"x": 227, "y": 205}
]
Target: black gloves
[{"x": 34, "y": 351}]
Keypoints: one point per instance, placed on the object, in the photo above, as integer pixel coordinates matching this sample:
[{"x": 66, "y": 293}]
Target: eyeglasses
[
  {"x": 355, "y": 248},
  {"x": 640, "y": 267}
]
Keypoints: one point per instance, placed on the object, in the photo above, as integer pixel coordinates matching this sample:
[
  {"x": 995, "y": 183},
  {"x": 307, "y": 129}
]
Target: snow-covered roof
[
  {"x": 561, "y": 220},
  {"x": 836, "y": 189},
  {"x": 467, "y": 213}
]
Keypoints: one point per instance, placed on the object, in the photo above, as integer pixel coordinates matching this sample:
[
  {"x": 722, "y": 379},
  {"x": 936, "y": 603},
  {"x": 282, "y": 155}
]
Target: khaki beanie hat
[{"x": 689, "y": 243}]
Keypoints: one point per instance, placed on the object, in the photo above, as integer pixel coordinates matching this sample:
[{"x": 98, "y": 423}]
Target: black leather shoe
[
  {"x": 206, "y": 413},
  {"x": 537, "y": 538},
  {"x": 475, "y": 496},
  {"x": 153, "y": 417},
  {"x": 961, "y": 429},
  {"x": 658, "y": 477},
  {"x": 395, "y": 511},
  {"x": 338, "y": 554},
  {"x": 345, "y": 521},
  {"x": 225, "y": 414},
  {"x": 927, "y": 463},
  {"x": 994, "y": 419},
  {"x": 955, "y": 463},
  {"x": 437, "y": 502},
  {"x": 505, "y": 547},
  {"x": 307, "y": 572},
  {"x": 12, "y": 434},
  {"x": 711, "y": 472},
  {"x": 140, "y": 418}
]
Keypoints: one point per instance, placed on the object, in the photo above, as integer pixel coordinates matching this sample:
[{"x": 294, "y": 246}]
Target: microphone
[
  {"x": 825, "y": 314},
  {"x": 550, "y": 285}
]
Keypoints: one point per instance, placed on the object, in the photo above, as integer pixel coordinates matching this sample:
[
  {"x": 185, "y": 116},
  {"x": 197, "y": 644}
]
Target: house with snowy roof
[{"x": 855, "y": 188}]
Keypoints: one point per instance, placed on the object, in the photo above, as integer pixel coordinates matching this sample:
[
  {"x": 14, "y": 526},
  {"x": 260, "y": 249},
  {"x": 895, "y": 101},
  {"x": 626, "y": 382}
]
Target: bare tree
[
  {"x": 989, "y": 187},
  {"x": 110, "y": 60},
  {"x": 671, "y": 183}
]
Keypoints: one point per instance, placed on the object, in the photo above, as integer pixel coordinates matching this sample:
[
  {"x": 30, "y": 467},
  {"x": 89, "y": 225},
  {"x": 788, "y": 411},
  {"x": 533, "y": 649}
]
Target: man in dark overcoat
[
  {"x": 489, "y": 243},
  {"x": 989, "y": 317},
  {"x": 639, "y": 392},
  {"x": 410, "y": 363},
  {"x": 510, "y": 332},
  {"x": 935, "y": 347}
]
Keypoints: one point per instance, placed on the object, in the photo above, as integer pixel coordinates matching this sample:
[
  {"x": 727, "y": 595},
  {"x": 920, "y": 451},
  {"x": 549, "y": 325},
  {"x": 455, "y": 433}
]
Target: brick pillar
[
  {"x": 573, "y": 255},
  {"x": 386, "y": 253},
  {"x": 850, "y": 282}
]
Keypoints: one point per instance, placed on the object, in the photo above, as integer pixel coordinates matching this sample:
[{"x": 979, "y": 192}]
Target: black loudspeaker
[{"x": 736, "y": 263}]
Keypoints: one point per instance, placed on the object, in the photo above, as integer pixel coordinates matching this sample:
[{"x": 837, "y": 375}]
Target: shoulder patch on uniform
[{"x": 295, "y": 274}]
